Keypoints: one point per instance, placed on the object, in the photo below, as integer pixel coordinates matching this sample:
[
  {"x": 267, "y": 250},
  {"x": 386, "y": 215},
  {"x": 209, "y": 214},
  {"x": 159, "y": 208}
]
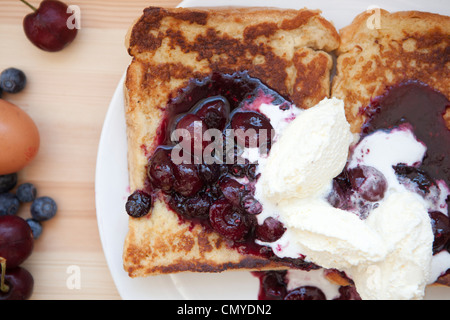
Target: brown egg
[{"x": 19, "y": 138}]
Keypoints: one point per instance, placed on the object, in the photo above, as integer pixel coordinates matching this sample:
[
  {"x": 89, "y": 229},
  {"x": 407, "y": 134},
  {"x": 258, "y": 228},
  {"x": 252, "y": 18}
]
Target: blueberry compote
[
  {"x": 422, "y": 109},
  {"x": 201, "y": 175}
]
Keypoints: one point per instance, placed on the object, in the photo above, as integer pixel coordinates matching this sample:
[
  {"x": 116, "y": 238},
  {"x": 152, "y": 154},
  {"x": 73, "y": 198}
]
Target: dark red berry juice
[
  {"x": 218, "y": 195},
  {"x": 423, "y": 108}
]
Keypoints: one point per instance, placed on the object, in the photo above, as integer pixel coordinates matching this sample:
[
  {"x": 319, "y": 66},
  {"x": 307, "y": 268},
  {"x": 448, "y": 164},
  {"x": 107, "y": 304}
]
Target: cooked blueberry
[
  {"x": 415, "y": 175},
  {"x": 36, "y": 228},
  {"x": 251, "y": 171},
  {"x": 12, "y": 80},
  {"x": 9, "y": 204},
  {"x": 198, "y": 206},
  {"x": 237, "y": 170},
  {"x": 214, "y": 112},
  {"x": 209, "y": 172},
  {"x": 138, "y": 204},
  {"x": 440, "y": 225},
  {"x": 7, "y": 182},
  {"x": 26, "y": 192},
  {"x": 43, "y": 208},
  {"x": 250, "y": 204},
  {"x": 176, "y": 203}
]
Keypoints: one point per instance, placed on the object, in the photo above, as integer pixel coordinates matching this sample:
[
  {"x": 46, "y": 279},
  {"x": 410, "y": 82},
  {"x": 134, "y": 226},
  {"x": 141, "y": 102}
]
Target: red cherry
[
  {"x": 232, "y": 190},
  {"x": 248, "y": 126},
  {"x": 228, "y": 221},
  {"x": 198, "y": 138},
  {"x": 368, "y": 182},
  {"x": 16, "y": 240},
  {"x": 270, "y": 231},
  {"x": 160, "y": 170},
  {"x": 47, "y": 27},
  {"x": 187, "y": 179},
  {"x": 15, "y": 284},
  {"x": 214, "y": 112}
]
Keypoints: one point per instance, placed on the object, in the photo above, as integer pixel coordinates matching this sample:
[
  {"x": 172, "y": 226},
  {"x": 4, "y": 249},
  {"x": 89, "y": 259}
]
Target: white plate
[{"x": 111, "y": 181}]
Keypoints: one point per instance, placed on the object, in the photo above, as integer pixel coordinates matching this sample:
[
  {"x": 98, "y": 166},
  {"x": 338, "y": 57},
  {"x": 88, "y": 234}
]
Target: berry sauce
[
  {"x": 220, "y": 195},
  {"x": 423, "y": 108},
  {"x": 238, "y": 89}
]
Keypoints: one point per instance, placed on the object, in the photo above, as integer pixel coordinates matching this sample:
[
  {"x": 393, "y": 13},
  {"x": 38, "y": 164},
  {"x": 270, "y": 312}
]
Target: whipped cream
[
  {"x": 404, "y": 226},
  {"x": 312, "y": 150},
  {"x": 389, "y": 254}
]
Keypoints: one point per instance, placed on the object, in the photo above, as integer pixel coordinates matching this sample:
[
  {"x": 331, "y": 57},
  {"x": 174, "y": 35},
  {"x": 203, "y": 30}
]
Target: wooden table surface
[{"x": 67, "y": 95}]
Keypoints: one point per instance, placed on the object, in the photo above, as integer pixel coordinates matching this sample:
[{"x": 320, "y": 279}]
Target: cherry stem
[
  {"x": 3, "y": 286},
  {"x": 26, "y": 2}
]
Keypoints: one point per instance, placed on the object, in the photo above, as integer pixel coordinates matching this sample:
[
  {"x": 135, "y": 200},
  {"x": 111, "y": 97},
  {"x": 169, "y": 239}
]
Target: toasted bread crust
[
  {"x": 286, "y": 49},
  {"x": 410, "y": 45},
  {"x": 251, "y": 41}
]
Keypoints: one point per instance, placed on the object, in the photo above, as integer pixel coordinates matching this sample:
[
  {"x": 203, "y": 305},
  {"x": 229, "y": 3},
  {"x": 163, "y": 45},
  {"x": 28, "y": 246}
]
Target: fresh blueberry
[
  {"x": 36, "y": 228},
  {"x": 43, "y": 208},
  {"x": 138, "y": 204},
  {"x": 26, "y": 192},
  {"x": 9, "y": 204},
  {"x": 7, "y": 182},
  {"x": 12, "y": 80}
]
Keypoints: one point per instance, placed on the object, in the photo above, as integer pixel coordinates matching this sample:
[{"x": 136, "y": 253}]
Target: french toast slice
[
  {"x": 288, "y": 50},
  {"x": 405, "y": 46},
  {"x": 408, "y": 45}
]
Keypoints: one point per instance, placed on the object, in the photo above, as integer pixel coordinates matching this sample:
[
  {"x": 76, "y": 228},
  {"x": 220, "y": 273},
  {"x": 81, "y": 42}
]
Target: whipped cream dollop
[
  {"x": 389, "y": 254},
  {"x": 312, "y": 150}
]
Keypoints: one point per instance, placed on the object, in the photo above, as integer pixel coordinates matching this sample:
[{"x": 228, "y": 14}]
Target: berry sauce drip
[{"x": 423, "y": 108}]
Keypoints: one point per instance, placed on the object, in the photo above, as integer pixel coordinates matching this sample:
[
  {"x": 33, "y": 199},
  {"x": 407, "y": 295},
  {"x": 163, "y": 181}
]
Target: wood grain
[{"x": 67, "y": 95}]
